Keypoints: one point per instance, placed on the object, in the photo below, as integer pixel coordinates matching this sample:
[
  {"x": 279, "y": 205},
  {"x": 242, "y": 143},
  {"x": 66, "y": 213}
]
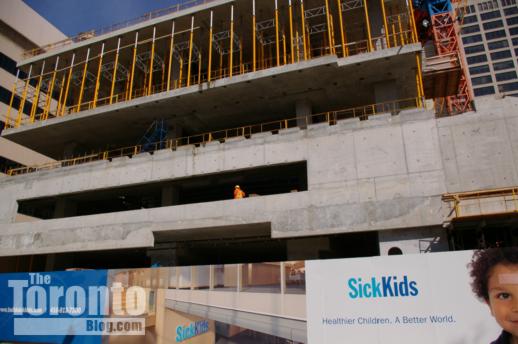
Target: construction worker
[{"x": 238, "y": 193}]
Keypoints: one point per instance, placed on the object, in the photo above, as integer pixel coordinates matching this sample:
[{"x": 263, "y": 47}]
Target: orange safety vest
[{"x": 238, "y": 193}]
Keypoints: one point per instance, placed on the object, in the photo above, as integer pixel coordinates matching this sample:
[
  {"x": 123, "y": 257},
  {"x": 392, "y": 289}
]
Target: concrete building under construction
[{"x": 349, "y": 124}]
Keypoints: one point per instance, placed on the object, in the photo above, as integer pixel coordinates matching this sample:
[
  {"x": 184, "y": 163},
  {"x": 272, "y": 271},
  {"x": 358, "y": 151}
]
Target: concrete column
[
  {"x": 64, "y": 208},
  {"x": 303, "y": 109},
  {"x": 170, "y": 195}
]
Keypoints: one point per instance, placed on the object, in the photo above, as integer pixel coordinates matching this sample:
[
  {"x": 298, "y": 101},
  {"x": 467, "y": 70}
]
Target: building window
[
  {"x": 493, "y": 25},
  {"x": 513, "y": 31},
  {"x": 2, "y": 126},
  {"x": 515, "y": 41},
  {"x": 508, "y": 87},
  {"x": 8, "y": 64},
  {"x": 472, "y": 39},
  {"x": 469, "y": 20},
  {"x": 508, "y": 2},
  {"x": 479, "y": 69},
  {"x": 484, "y": 91},
  {"x": 490, "y": 15},
  {"x": 476, "y": 59},
  {"x": 470, "y": 29},
  {"x": 503, "y": 65},
  {"x": 500, "y": 55},
  {"x": 488, "y": 5},
  {"x": 495, "y": 34},
  {"x": 516, "y": 51},
  {"x": 512, "y": 21},
  {"x": 510, "y": 11},
  {"x": 470, "y": 9},
  {"x": 481, "y": 80},
  {"x": 475, "y": 49},
  {"x": 506, "y": 76},
  {"x": 498, "y": 45}
]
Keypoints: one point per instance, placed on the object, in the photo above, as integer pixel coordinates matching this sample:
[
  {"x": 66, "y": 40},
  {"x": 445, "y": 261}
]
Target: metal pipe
[
  {"x": 209, "y": 65},
  {"x": 97, "y": 80},
  {"x": 231, "y": 40},
  {"x": 303, "y": 22},
  {"x": 277, "y": 48},
  {"x": 151, "y": 61},
  {"x": 8, "y": 115},
  {"x": 37, "y": 95},
  {"x": 116, "y": 64},
  {"x": 385, "y": 22},
  {"x": 48, "y": 100},
  {"x": 345, "y": 52},
  {"x": 254, "y": 43},
  {"x": 290, "y": 9},
  {"x": 81, "y": 90},
  {"x": 64, "y": 105},
  {"x": 133, "y": 67},
  {"x": 369, "y": 37},
  {"x": 170, "y": 66}
]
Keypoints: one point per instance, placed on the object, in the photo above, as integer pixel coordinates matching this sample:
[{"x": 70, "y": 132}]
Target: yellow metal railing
[
  {"x": 330, "y": 117},
  {"x": 482, "y": 203},
  {"x": 397, "y": 35},
  {"x": 94, "y": 33}
]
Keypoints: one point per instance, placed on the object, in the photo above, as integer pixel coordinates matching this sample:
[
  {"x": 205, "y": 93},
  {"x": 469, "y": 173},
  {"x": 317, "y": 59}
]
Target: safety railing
[
  {"x": 197, "y": 77},
  {"x": 94, "y": 33},
  {"x": 330, "y": 117},
  {"x": 482, "y": 203}
]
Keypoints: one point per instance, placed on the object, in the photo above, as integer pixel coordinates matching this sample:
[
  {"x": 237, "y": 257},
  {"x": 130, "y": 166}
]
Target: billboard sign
[{"x": 424, "y": 298}]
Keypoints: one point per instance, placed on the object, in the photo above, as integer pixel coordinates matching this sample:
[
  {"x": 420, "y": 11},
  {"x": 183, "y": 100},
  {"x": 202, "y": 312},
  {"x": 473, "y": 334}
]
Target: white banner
[{"x": 424, "y": 298}]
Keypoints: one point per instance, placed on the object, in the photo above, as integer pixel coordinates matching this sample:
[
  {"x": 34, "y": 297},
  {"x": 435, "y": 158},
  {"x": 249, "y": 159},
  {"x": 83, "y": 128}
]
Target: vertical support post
[
  {"x": 412, "y": 21},
  {"x": 199, "y": 68},
  {"x": 8, "y": 115},
  {"x": 98, "y": 78},
  {"x": 401, "y": 36},
  {"x": 181, "y": 72},
  {"x": 284, "y": 48},
  {"x": 116, "y": 64},
  {"x": 282, "y": 275},
  {"x": 277, "y": 48},
  {"x": 130, "y": 93},
  {"x": 231, "y": 53},
  {"x": 151, "y": 61},
  {"x": 190, "y": 53},
  {"x": 297, "y": 48},
  {"x": 254, "y": 43},
  {"x": 239, "y": 284},
  {"x": 369, "y": 37},
  {"x": 420, "y": 76},
  {"x": 24, "y": 96},
  {"x": 81, "y": 90},
  {"x": 384, "y": 14},
  {"x": 69, "y": 78},
  {"x": 329, "y": 28},
  {"x": 303, "y": 22},
  {"x": 36, "y": 97},
  {"x": 170, "y": 65},
  {"x": 345, "y": 51},
  {"x": 290, "y": 9},
  {"x": 58, "y": 108},
  {"x": 209, "y": 64},
  {"x": 48, "y": 100},
  {"x": 241, "y": 67}
]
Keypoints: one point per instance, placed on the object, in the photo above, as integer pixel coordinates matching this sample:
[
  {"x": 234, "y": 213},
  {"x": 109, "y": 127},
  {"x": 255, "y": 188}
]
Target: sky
[{"x": 74, "y": 16}]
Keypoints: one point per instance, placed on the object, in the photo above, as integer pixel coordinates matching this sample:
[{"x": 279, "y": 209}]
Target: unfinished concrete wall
[{"x": 385, "y": 173}]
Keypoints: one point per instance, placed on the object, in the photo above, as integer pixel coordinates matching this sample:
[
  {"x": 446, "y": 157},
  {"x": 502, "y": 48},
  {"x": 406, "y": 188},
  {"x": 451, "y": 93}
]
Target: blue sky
[{"x": 74, "y": 16}]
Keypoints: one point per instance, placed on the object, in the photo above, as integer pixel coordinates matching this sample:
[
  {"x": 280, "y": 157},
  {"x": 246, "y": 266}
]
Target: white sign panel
[{"x": 424, "y": 298}]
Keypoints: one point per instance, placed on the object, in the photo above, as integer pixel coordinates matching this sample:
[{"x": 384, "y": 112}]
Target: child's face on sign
[{"x": 503, "y": 296}]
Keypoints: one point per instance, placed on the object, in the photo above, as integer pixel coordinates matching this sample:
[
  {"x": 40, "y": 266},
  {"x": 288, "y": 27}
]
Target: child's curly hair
[{"x": 483, "y": 262}]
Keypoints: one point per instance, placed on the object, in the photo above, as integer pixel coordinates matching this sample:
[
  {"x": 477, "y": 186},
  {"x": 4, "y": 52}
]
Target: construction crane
[{"x": 445, "y": 74}]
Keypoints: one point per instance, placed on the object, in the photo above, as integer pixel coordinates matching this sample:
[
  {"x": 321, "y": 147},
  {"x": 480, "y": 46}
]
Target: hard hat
[{"x": 237, "y": 186}]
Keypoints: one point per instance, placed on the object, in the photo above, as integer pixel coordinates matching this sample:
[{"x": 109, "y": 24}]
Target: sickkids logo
[
  {"x": 383, "y": 286},
  {"x": 191, "y": 330}
]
